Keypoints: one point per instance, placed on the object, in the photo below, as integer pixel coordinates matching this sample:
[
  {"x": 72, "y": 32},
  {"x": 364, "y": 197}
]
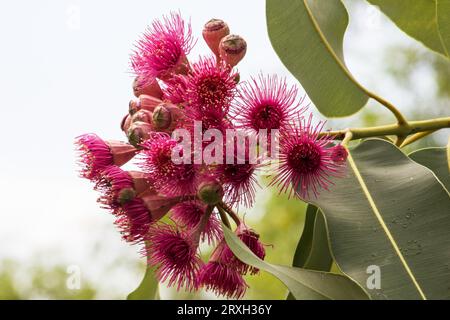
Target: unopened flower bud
[
  {"x": 126, "y": 195},
  {"x": 126, "y": 122},
  {"x": 133, "y": 106},
  {"x": 210, "y": 192},
  {"x": 237, "y": 78},
  {"x": 121, "y": 152},
  {"x": 138, "y": 133},
  {"x": 147, "y": 102},
  {"x": 142, "y": 116},
  {"x": 213, "y": 31},
  {"x": 161, "y": 117},
  {"x": 339, "y": 154},
  {"x": 232, "y": 49},
  {"x": 150, "y": 88}
]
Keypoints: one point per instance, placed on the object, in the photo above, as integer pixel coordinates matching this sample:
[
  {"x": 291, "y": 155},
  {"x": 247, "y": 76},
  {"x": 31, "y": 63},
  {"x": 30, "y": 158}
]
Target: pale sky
[{"x": 64, "y": 72}]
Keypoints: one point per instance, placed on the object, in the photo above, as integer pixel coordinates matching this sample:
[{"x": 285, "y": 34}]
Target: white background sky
[{"x": 64, "y": 72}]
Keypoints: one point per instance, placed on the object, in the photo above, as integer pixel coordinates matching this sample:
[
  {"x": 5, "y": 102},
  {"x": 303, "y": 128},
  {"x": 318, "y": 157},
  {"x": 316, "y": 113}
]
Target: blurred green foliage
[{"x": 39, "y": 282}]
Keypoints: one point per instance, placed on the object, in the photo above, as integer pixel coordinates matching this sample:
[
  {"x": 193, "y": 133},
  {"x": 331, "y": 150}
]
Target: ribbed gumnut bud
[
  {"x": 139, "y": 132},
  {"x": 126, "y": 123},
  {"x": 232, "y": 49},
  {"x": 213, "y": 31},
  {"x": 142, "y": 116},
  {"x": 210, "y": 192},
  {"x": 121, "y": 152},
  {"x": 144, "y": 102},
  {"x": 161, "y": 117},
  {"x": 150, "y": 88},
  {"x": 166, "y": 116}
]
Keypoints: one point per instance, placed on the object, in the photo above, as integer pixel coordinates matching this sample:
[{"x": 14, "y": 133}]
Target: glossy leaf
[
  {"x": 389, "y": 212},
  {"x": 428, "y": 21},
  {"x": 147, "y": 289},
  {"x": 436, "y": 160},
  {"x": 308, "y": 37},
  {"x": 304, "y": 284},
  {"x": 313, "y": 251}
]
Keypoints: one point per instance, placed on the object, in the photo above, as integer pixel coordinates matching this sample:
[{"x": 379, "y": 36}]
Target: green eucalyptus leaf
[
  {"x": 319, "y": 256},
  {"x": 313, "y": 250},
  {"x": 308, "y": 37},
  {"x": 436, "y": 160},
  {"x": 390, "y": 213},
  {"x": 428, "y": 21},
  {"x": 147, "y": 289},
  {"x": 303, "y": 284},
  {"x": 305, "y": 243}
]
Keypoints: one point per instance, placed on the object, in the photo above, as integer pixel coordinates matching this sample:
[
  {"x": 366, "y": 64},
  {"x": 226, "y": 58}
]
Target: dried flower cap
[
  {"x": 232, "y": 49},
  {"x": 150, "y": 87},
  {"x": 213, "y": 31}
]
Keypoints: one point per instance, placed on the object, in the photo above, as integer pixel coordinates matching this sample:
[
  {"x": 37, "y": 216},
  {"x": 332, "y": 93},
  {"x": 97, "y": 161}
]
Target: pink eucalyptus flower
[
  {"x": 266, "y": 103},
  {"x": 251, "y": 239},
  {"x": 306, "y": 165},
  {"x": 189, "y": 214},
  {"x": 239, "y": 178},
  {"x": 118, "y": 186},
  {"x": 135, "y": 217},
  {"x": 221, "y": 278},
  {"x": 96, "y": 154},
  {"x": 170, "y": 178},
  {"x": 209, "y": 86},
  {"x": 162, "y": 50},
  {"x": 174, "y": 253}
]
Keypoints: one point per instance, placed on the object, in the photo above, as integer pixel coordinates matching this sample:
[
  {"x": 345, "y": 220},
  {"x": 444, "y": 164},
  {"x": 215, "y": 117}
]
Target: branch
[{"x": 392, "y": 129}]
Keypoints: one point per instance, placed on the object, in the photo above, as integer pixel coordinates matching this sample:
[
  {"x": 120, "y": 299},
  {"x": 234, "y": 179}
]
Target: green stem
[
  {"x": 415, "y": 137},
  {"x": 348, "y": 136},
  {"x": 230, "y": 212},
  {"x": 392, "y": 129},
  {"x": 223, "y": 217}
]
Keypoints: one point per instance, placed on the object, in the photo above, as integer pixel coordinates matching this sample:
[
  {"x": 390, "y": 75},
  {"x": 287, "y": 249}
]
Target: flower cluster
[{"x": 172, "y": 93}]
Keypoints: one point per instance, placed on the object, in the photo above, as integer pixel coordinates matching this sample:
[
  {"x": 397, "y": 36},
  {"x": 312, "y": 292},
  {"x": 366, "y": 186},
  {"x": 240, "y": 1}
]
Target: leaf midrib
[
  {"x": 329, "y": 48},
  {"x": 441, "y": 40},
  {"x": 386, "y": 230}
]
